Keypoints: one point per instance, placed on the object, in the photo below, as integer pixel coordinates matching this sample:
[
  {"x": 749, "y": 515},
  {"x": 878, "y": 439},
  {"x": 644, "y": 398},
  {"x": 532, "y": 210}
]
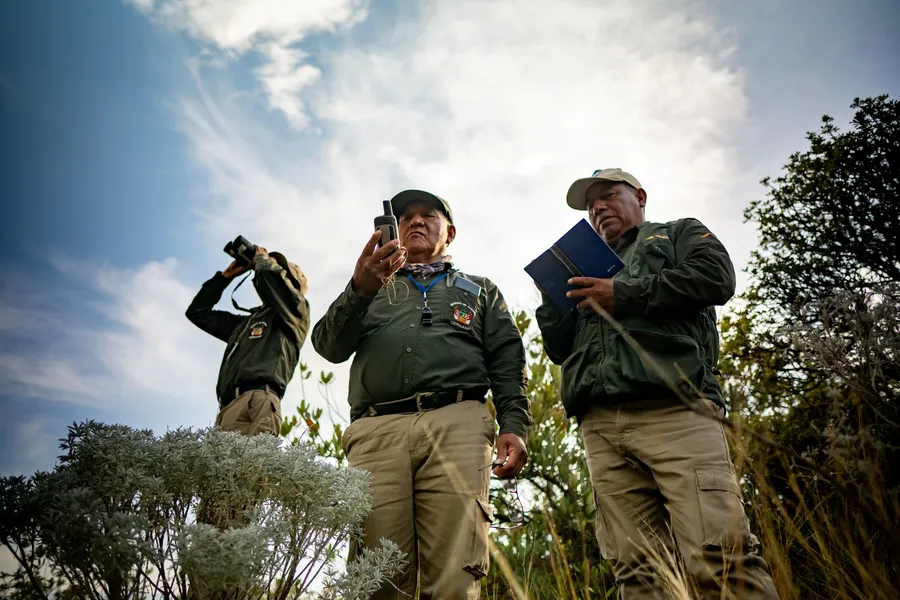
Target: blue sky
[{"x": 137, "y": 137}]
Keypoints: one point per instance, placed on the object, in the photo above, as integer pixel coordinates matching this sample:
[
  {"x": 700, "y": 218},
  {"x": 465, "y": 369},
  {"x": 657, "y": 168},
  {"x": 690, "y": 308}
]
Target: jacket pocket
[
  {"x": 661, "y": 360},
  {"x": 478, "y": 555}
]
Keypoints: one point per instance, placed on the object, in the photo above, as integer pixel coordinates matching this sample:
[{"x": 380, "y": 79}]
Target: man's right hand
[
  {"x": 235, "y": 270},
  {"x": 374, "y": 265}
]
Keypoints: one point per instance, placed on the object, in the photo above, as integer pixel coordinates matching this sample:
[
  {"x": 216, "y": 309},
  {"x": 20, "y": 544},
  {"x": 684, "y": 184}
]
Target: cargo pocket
[
  {"x": 721, "y": 510},
  {"x": 478, "y": 557},
  {"x": 603, "y": 534}
]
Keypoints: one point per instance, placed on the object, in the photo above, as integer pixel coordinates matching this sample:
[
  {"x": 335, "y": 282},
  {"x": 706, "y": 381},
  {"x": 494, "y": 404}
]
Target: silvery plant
[{"x": 189, "y": 514}]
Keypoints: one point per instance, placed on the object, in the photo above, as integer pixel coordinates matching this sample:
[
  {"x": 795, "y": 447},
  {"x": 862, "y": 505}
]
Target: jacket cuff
[
  {"x": 519, "y": 429},
  {"x": 354, "y": 301},
  {"x": 218, "y": 281},
  {"x": 261, "y": 261},
  {"x": 630, "y": 296}
]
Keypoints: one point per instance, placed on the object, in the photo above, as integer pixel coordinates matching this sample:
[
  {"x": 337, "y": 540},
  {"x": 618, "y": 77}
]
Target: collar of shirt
[{"x": 626, "y": 240}]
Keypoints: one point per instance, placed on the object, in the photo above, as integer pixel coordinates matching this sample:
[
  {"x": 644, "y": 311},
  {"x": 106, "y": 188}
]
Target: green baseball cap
[{"x": 401, "y": 201}]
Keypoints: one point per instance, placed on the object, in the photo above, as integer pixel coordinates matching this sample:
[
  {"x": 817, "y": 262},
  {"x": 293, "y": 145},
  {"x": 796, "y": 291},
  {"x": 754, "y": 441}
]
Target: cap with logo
[
  {"x": 576, "y": 195},
  {"x": 401, "y": 201}
]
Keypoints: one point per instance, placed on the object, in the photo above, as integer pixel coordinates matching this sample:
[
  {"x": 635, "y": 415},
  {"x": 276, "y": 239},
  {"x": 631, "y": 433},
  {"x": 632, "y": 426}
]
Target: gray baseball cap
[{"x": 576, "y": 196}]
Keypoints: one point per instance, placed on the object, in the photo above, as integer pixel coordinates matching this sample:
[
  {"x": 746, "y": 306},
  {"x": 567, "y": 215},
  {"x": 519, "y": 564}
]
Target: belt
[
  {"x": 248, "y": 387},
  {"x": 423, "y": 401}
]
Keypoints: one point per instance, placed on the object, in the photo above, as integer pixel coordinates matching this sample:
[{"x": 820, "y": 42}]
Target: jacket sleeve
[
  {"x": 275, "y": 290},
  {"x": 336, "y": 335},
  {"x": 505, "y": 356},
  {"x": 218, "y": 323},
  {"x": 557, "y": 329},
  {"x": 703, "y": 276}
]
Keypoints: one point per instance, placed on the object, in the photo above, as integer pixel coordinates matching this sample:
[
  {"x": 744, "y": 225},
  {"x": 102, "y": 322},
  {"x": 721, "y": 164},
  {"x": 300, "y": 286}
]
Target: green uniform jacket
[
  {"x": 674, "y": 274},
  {"x": 264, "y": 346},
  {"x": 473, "y": 343}
]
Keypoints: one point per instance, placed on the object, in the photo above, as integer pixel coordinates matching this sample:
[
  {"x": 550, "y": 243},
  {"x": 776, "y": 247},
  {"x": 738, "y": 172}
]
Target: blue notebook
[{"x": 581, "y": 252}]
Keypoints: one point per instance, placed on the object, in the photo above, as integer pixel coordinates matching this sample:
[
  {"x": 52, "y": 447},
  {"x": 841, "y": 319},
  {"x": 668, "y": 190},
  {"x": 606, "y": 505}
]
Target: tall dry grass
[{"x": 824, "y": 533}]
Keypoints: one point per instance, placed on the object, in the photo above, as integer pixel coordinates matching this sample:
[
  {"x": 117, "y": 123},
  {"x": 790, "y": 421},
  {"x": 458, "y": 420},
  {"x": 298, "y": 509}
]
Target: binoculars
[{"x": 241, "y": 250}]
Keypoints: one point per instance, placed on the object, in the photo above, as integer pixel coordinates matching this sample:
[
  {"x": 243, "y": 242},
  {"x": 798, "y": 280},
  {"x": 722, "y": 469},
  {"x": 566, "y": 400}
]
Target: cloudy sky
[{"x": 138, "y": 137}]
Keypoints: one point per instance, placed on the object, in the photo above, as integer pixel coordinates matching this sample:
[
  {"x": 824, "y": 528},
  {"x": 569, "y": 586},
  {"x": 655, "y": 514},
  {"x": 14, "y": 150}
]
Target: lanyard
[{"x": 426, "y": 312}]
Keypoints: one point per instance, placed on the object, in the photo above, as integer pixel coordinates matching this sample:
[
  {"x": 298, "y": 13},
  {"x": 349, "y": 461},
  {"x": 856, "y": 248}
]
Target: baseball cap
[
  {"x": 407, "y": 197},
  {"x": 575, "y": 197}
]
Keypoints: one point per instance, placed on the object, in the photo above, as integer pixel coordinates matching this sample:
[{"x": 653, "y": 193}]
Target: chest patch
[
  {"x": 257, "y": 330},
  {"x": 462, "y": 315}
]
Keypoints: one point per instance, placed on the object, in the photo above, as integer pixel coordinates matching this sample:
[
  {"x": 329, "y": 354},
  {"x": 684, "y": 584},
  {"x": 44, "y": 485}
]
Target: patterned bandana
[{"x": 427, "y": 270}]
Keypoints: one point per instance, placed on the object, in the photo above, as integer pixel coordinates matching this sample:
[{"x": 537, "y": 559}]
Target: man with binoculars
[{"x": 263, "y": 347}]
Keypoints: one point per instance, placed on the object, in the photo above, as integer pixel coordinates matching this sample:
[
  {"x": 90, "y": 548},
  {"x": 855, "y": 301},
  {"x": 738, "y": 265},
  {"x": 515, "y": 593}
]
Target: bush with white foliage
[{"x": 117, "y": 519}]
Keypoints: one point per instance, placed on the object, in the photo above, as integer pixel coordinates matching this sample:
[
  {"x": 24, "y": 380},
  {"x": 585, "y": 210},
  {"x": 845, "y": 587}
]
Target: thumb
[{"x": 502, "y": 453}]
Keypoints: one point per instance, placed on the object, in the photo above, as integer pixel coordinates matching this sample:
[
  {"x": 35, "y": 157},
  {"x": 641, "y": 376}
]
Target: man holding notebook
[{"x": 657, "y": 456}]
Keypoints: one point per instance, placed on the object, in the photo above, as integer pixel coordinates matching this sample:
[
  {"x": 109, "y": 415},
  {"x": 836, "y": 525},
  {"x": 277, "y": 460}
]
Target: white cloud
[
  {"x": 137, "y": 354},
  {"x": 270, "y": 28}
]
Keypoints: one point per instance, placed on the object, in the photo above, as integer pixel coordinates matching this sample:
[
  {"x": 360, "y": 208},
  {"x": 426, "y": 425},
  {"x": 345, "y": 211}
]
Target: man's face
[
  {"x": 614, "y": 208},
  {"x": 424, "y": 230}
]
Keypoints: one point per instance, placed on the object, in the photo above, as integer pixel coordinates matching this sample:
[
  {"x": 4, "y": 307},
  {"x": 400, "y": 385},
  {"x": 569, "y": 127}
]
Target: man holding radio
[
  {"x": 263, "y": 347},
  {"x": 428, "y": 347}
]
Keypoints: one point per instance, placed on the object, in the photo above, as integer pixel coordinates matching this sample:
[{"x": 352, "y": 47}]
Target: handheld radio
[{"x": 386, "y": 224}]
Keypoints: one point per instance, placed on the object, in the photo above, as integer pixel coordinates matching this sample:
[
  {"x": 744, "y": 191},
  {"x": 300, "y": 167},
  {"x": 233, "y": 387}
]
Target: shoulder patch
[{"x": 467, "y": 286}]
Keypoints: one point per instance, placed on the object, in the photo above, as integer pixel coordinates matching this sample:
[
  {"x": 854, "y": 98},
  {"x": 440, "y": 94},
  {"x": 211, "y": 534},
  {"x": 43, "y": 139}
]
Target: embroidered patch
[
  {"x": 658, "y": 236},
  {"x": 462, "y": 315},
  {"x": 257, "y": 330}
]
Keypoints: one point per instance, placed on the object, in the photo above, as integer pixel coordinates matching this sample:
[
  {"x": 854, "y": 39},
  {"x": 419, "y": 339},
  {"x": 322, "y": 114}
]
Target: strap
[
  {"x": 566, "y": 262},
  {"x": 425, "y": 289},
  {"x": 233, "y": 301}
]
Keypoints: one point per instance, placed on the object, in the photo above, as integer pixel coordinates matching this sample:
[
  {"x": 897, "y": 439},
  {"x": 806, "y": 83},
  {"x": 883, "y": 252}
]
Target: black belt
[
  {"x": 249, "y": 387},
  {"x": 423, "y": 401}
]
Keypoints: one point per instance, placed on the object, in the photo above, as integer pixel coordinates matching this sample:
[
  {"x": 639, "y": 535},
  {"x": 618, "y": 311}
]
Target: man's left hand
[
  {"x": 511, "y": 455},
  {"x": 261, "y": 251},
  {"x": 599, "y": 290}
]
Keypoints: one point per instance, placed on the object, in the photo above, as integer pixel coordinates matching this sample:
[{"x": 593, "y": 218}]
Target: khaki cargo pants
[
  {"x": 663, "y": 471},
  {"x": 252, "y": 413},
  {"x": 429, "y": 477}
]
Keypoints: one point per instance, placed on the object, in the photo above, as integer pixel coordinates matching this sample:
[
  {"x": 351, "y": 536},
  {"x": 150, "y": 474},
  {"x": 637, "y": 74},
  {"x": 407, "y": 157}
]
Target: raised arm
[
  {"x": 336, "y": 335},
  {"x": 217, "y": 323},
  {"x": 279, "y": 292}
]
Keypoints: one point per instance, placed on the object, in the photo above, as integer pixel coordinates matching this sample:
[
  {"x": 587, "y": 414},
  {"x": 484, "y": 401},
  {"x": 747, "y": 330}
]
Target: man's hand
[
  {"x": 511, "y": 456},
  {"x": 374, "y": 265},
  {"x": 235, "y": 270},
  {"x": 600, "y": 290},
  {"x": 261, "y": 251}
]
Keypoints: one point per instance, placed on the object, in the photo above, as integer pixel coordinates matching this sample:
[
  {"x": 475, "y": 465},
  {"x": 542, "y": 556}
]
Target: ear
[
  {"x": 642, "y": 197},
  {"x": 451, "y": 233}
]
